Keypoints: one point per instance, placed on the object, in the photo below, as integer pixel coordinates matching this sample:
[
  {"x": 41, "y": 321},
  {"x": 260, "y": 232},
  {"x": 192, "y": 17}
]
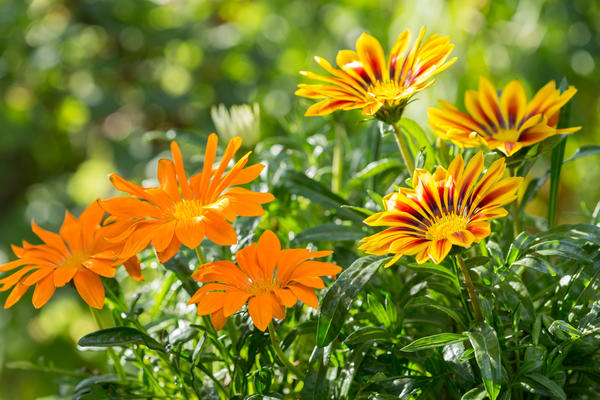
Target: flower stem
[
  {"x": 111, "y": 352},
  {"x": 515, "y": 210},
  {"x": 401, "y": 140},
  {"x": 338, "y": 160},
  {"x": 470, "y": 288},
  {"x": 288, "y": 364},
  {"x": 200, "y": 255}
]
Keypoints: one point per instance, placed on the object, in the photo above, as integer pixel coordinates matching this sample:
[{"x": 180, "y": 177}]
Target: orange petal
[
  {"x": 134, "y": 268},
  {"x": 15, "y": 295},
  {"x": 371, "y": 54},
  {"x": 170, "y": 251},
  {"x": 268, "y": 250},
  {"x": 439, "y": 249},
  {"x": 43, "y": 291},
  {"x": 190, "y": 232},
  {"x": 219, "y": 231},
  {"x": 167, "y": 179},
  {"x": 234, "y": 301},
  {"x": 180, "y": 171},
  {"x": 305, "y": 295},
  {"x": 218, "y": 320},
  {"x": 101, "y": 267},
  {"x": 64, "y": 275},
  {"x": 90, "y": 288},
  {"x": 261, "y": 311},
  {"x": 286, "y": 297}
]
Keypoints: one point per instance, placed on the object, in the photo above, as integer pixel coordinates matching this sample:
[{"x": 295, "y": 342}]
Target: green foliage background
[{"x": 81, "y": 81}]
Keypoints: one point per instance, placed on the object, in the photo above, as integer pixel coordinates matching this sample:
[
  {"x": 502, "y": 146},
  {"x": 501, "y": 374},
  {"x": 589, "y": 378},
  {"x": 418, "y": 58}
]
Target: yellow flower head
[
  {"x": 448, "y": 207},
  {"x": 502, "y": 121},
  {"x": 365, "y": 80}
]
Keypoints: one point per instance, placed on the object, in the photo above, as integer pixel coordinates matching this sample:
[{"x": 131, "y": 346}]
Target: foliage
[{"x": 403, "y": 332}]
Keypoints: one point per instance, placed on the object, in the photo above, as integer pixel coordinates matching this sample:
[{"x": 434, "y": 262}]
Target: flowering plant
[{"x": 423, "y": 273}]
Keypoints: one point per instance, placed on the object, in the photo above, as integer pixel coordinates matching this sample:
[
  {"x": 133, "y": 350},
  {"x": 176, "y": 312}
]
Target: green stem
[
  {"x": 338, "y": 160},
  {"x": 111, "y": 352},
  {"x": 149, "y": 373},
  {"x": 200, "y": 255},
  {"x": 470, "y": 288},
  {"x": 401, "y": 140},
  {"x": 288, "y": 364},
  {"x": 515, "y": 210}
]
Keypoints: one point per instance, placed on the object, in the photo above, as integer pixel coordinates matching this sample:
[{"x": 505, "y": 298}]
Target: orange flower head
[
  {"x": 365, "y": 80},
  {"x": 182, "y": 211},
  {"x": 266, "y": 277},
  {"x": 79, "y": 253},
  {"x": 502, "y": 121},
  {"x": 450, "y": 207}
]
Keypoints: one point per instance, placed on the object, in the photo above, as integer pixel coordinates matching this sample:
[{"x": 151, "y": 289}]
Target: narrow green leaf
[
  {"x": 300, "y": 184},
  {"x": 487, "y": 354},
  {"x": 563, "y": 330},
  {"x": 584, "y": 151},
  {"x": 474, "y": 394},
  {"x": 339, "y": 298},
  {"x": 375, "y": 168},
  {"x": 549, "y": 385},
  {"x": 118, "y": 336},
  {"x": 329, "y": 232},
  {"x": 430, "y": 342}
]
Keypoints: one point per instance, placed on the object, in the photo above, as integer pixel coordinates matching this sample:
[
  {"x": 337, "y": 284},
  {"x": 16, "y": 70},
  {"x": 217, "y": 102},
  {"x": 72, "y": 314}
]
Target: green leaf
[
  {"x": 474, "y": 394},
  {"x": 329, "y": 232},
  {"x": 375, "y": 168},
  {"x": 563, "y": 330},
  {"x": 430, "y": 342},
  {"x": 352, "y": 365},
  {"x": 549, "y": 385},
  {"x": 367, "y": 334},
  {"x": 487, "y": 354},
  {"x": 339, "y": 298},
  {"x": 584, "y": 151},
  {"x": 118, "y": 336},
  {"x": 300, "y": 184}
]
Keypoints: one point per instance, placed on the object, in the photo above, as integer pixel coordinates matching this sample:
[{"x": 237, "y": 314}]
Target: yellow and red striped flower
[
  {"x": 446, "y": 208},
  {"x": 502, "y": 121},
  {"x": 266, "y": 277},
  {"x": 365, "y": 80},
  {"x": 184, "y": 211},
  {"x": 79, "y": 253}
]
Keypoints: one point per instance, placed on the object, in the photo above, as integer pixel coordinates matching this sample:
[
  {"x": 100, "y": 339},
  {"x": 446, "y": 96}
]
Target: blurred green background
[{"x": 82, "y": 80}]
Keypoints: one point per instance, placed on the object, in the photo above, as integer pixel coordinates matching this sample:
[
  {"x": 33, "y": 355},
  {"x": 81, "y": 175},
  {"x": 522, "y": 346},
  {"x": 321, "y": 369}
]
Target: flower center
[
  {"x": 259, "y": 288},
  {"x": 188, "y": 209},
  {"x": 507, "y": 135},
  {"x": 446, "y": 226},
  {"x": 388, "y": 91},
  {"x": 75, "y": 260}
]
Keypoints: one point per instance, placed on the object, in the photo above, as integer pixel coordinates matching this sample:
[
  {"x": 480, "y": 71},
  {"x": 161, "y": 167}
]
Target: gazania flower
[
  {"x": 502, "y": 121},
  {"x": 182, "y": 211},
  {"x": 79, "y": 253},
  {"x": 266, "y": 277},
  {"x": 365, "y": 80},
  {"x": 450, "y": 207}
]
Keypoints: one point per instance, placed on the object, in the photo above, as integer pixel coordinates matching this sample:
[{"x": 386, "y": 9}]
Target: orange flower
[
  {"x": 79, "y": 253},
  {"x": 268, "y": 278},
  {"x": 450, "y": 207},
  {"x": 366, "y": 81},
  {"x": 502, "y": 121},
  {"x": 182, "y": 211}
]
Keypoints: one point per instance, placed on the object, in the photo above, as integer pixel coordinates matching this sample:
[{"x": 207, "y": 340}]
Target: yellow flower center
[
  {"x": 446, "y": 226},
  {"x": 259, "y": 288},
  {"x": 507, "y": 135},
  {"x": 188, "y": 209},
  {"x": 75, "y": 260},
  {"x": 387, "y": 91}
]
